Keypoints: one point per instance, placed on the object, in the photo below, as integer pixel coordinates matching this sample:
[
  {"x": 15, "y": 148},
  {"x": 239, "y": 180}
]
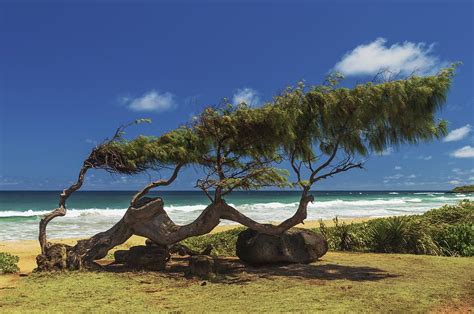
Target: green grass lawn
[{"x": 340, "y": 282}]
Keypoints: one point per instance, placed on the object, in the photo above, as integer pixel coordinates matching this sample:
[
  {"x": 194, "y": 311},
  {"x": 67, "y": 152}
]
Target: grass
[{"x": 341, "y": 282}]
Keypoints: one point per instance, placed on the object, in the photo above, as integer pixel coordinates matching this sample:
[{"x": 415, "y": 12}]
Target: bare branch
[
  {"x": 61, "y": 210},
  {"x": 155, "y": 184}
]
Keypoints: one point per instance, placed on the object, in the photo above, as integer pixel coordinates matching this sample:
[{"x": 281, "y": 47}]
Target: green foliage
[
  {"x": 368, "y": 117},
  {"x": 344, "y": 237},
  {"x": 223, "y": 243},
  {"x": 464, "y": 189},
  {"x": 8, "y": 263},
  {"x": 239, "y": 146},
  {"x": 401, "y": 235},
  {"x": 448, "y": 230},
  {"x": 456, "y": 240},
  {"x": 463, "y": 212}
]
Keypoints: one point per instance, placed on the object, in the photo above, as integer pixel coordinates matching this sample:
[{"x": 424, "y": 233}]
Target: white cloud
[
  {"x": 454, "y": 182},
  {"x": 458, "y": 134},
  {"x": 406, "y": 58},
  {"x": 394, "y": 177},
  {"x": 398, "y": 168},
  {"x": 462, "y": 172},
  {"x": 464, "y": 152},
  {"x": 246, "y": 95},
  {"x": 412, "y": 176},
  {"x": 151, "y": 101},
  {"x": 386, "y": 152},
  {"x": 425, "y": 157}
]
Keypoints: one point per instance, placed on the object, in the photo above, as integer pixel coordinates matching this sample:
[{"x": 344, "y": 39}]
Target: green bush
[
  {"x": 463, "y": 212},
  {"x": 344, "y": 237},
  {"x": 223, "y": 243},
  {"x": 8, "y": 263},
  {"x": 402, "y": 235},
  {"x": 456, "y": 240}
]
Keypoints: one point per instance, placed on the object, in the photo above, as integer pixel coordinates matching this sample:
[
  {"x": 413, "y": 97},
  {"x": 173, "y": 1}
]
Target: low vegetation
[
  {"x": 464, "y": 189},
  {"x": 340, "y": 282},
  {"x": 447, "y": 231},
  {"x": 8, "y": 263}
]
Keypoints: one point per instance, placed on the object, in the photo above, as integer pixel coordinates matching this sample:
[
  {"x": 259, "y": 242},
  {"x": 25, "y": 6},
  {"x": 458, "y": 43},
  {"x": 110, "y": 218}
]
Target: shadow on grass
[
  {"x": 233, "y": 271},
  {"x": 322, "y": 272}
]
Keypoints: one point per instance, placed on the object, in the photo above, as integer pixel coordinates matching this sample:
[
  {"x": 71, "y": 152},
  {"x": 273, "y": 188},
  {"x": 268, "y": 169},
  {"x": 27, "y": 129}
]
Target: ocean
[{"x": 90, "y": 212}]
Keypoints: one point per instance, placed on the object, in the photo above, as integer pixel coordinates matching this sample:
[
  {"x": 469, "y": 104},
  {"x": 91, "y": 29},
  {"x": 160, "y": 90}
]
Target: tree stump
[{"x": 293, "y": 246}]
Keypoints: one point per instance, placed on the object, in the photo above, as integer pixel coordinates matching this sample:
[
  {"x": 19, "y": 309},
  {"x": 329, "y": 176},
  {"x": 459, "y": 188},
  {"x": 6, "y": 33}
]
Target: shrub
[
  {"x": 456, "y": 240},
  {"x": 344, "y": 237},
  {"x": 402, "y": 235},
  {"x": 223, "y": 243},
  {"x": 8, "y": 263},
  {"x": 451, "y": 214}
]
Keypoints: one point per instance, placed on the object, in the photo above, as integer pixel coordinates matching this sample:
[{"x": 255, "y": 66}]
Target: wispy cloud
[
  {"x": 386, "y": 152},
  {"x": 394, "y": 177},
  {"x": 397, "y": 168},
  {"x": 425, "y": 157},
  {"x": 406, "y": 58},
  {"x": 464, "y": 152},
  {"x": 246, "y": 95},
  {"x": 151, "y": 101},
  {"x": 458, "y": 134},
  {"x": 462, "y": 171}
]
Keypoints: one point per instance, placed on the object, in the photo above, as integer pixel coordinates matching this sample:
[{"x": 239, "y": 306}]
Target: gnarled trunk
[{"x": 147, "y": 218}]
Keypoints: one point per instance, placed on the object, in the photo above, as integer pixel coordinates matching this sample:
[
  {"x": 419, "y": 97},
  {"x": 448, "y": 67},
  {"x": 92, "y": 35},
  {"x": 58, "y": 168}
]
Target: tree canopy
[{"x": 318, "y": 128}]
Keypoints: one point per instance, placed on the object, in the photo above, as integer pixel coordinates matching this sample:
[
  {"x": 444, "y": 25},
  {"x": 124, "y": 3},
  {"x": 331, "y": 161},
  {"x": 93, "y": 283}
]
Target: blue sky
[{"x": 70, "y": 73}]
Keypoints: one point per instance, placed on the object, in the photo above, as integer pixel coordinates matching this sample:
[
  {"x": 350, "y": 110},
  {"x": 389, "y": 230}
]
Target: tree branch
[
  {"x": 155, "y": 184},
  {"x": 230, "y": 213},
  {"x": 61, "y": 210}
]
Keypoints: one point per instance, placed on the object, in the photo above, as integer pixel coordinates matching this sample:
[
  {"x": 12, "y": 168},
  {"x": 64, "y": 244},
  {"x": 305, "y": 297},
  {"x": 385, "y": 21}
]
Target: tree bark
[
  {"x": 61, "y": 210},
  {"x": 149, "y": 219}
]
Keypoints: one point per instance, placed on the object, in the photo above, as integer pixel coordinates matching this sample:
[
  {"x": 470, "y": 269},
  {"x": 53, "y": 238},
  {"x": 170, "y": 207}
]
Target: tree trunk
[{"x": 147, "y": 218}]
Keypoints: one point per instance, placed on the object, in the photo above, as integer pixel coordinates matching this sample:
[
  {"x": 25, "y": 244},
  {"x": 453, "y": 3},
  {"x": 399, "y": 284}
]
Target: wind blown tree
[{"x": 320, "y": 131}]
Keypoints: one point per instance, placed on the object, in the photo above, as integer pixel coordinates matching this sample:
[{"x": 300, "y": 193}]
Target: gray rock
[{"x": 293, "y": 246}]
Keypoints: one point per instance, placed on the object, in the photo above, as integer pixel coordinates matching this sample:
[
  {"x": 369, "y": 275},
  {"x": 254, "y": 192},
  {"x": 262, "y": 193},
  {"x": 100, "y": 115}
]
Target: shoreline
[{"x": 28, "y": 249}]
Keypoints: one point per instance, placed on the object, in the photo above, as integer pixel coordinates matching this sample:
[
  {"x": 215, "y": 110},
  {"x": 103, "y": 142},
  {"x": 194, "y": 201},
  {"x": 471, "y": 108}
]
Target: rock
[
  {"x": 201, "y": 266},
  {"x": 151, "y": 257},
  {"x": 293, "y": 246}
]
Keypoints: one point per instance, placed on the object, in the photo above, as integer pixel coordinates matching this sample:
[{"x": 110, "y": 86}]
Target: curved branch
[
  {"x": 155, "y": 184},
  {"x": 300, "y": 215},
  {"x": 61, "y": 210}
]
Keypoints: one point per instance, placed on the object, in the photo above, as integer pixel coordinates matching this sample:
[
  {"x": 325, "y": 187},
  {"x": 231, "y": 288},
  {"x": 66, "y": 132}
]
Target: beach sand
[{"x": 27, "y": 250}]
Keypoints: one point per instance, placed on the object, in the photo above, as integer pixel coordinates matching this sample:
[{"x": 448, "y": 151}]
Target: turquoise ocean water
[{"x": 94, "y": 211}]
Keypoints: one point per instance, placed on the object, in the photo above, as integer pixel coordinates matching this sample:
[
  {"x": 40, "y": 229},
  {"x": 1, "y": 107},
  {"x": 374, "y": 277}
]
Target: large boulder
[{"x": 293, "y": 246}]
